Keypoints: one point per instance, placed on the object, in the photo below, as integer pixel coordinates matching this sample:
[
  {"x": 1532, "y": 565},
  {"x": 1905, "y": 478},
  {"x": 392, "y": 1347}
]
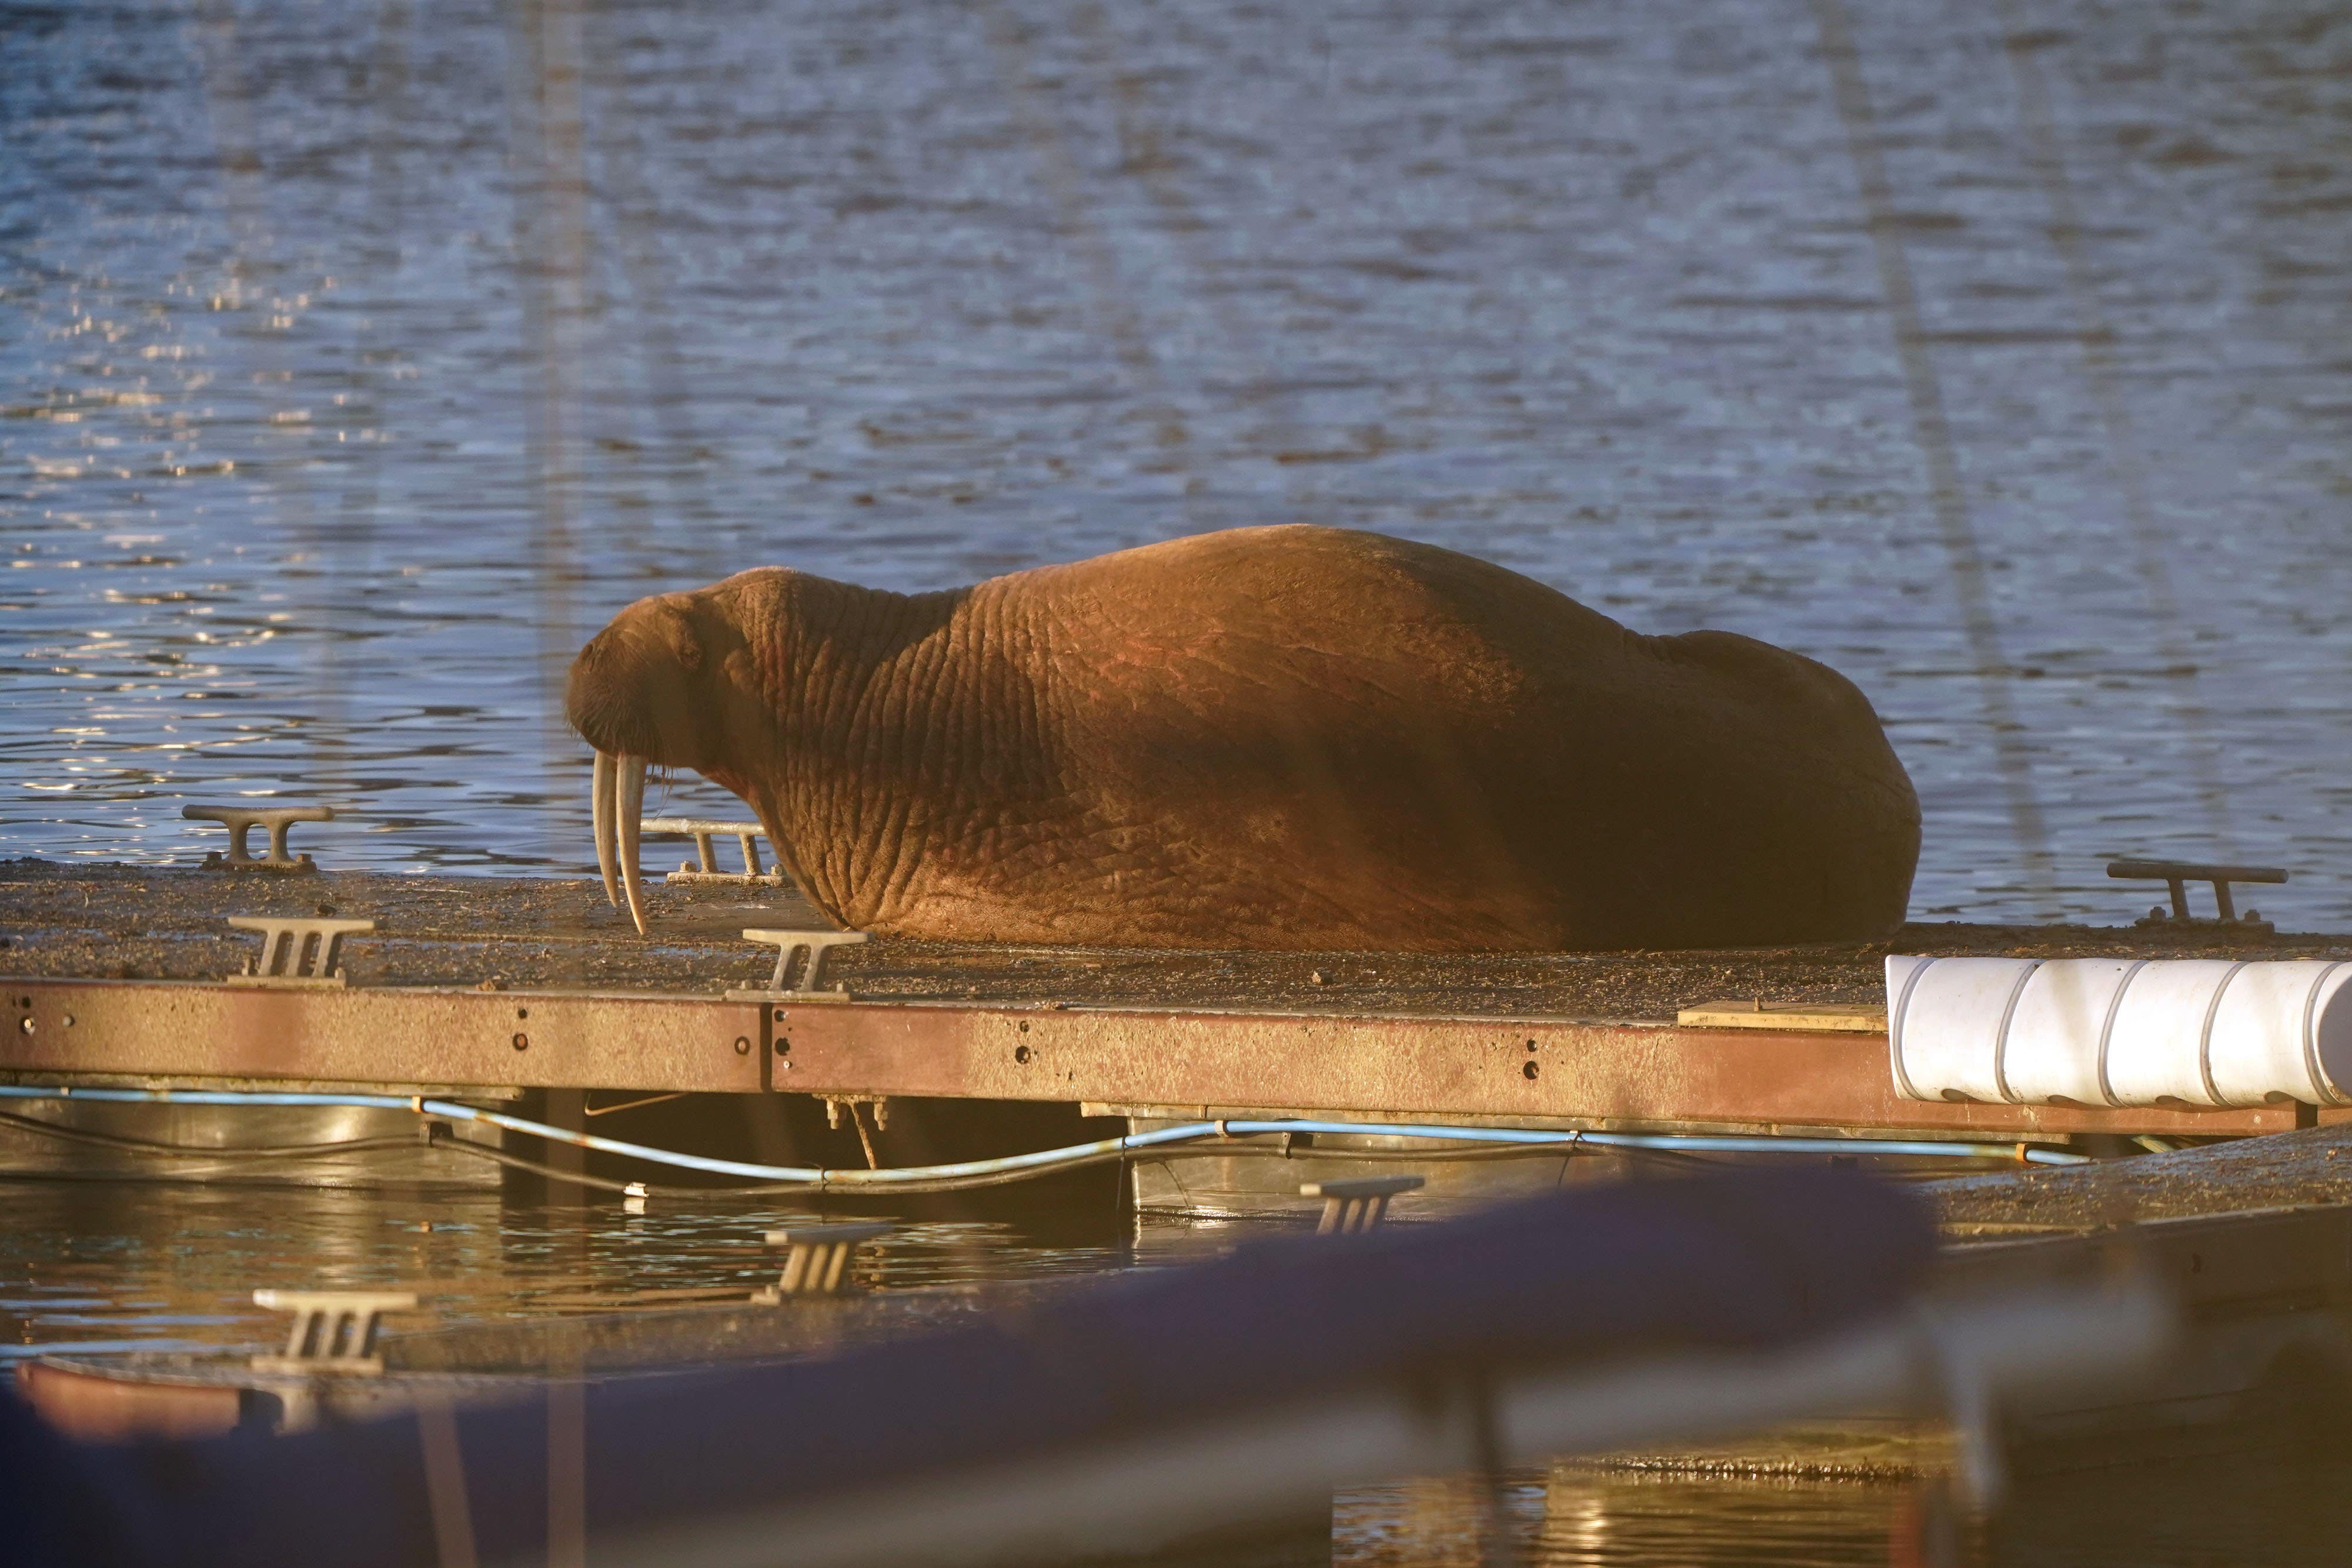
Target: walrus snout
[{"x": 630, "y": 696}]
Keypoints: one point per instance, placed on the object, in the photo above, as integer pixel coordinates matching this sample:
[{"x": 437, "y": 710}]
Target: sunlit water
[
  {"x": 306, "y": 487},
  {"x": 2273, "y": 1509}
]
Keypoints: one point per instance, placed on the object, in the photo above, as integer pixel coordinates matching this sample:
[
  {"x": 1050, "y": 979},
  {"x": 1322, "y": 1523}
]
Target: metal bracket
[
  {"x": 1357, "y": 1203},
  {"x": 334, "y": 1331},
  {"x": 816, "y": 1256},
  {"x": 276, "y": 819},
  {"x": 747, "y": 835},
  {"x": 2178, "y": 874},
  {"x": 835, "y": 1104},
  {"x": 297, "y": 952},
  {"x": 817, "y": 944}
]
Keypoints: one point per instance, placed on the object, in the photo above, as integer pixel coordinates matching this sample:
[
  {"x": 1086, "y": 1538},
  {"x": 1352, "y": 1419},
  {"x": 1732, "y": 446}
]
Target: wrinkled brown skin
[{"x": 1279, "y": 738}]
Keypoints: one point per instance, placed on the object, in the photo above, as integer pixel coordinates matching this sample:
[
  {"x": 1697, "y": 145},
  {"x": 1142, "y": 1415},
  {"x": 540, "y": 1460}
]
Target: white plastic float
[{"x": 2120, "y": 1031}]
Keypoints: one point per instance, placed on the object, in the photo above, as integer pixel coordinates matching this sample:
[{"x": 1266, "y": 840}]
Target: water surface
[{"x": 356, "y": 361}]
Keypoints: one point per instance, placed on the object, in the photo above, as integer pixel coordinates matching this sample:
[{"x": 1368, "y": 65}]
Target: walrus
[{"x": 1288, "y": 736}]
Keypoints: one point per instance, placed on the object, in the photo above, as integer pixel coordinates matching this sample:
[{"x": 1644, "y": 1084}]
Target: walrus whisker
[
  {"x": 631, "y": 812},
  {"x": 601, "y": 815}
]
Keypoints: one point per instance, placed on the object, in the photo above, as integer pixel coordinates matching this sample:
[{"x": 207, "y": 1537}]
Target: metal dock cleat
[
  {"x": 2177, "y": 874},
  {"x": 275, "y": 818},
  {"x": 297, "y": 952},
  {"x": 334, "y": 1331},
  {"x": 817, "y": 944},
  {"x": 816, "y": 1256},
  {"x": 1356, "y": 1204},
  {"x": 747, "y": 835}
]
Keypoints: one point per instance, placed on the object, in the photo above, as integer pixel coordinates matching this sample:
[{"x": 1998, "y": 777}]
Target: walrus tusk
[
  {"x": 631, "y": 811},
  {"x": 600, "y": 799}
]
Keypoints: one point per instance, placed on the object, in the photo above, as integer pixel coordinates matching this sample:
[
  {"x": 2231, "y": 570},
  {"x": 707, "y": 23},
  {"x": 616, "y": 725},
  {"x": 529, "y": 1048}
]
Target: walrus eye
[
  {"x": 616, "y": 802},
  {"x": 686, "y": 647}
]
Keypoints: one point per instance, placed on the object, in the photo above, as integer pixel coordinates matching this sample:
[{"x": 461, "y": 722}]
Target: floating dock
[
  {"x": 534, "y": 991},
  {"x": 495, "y": 988}
]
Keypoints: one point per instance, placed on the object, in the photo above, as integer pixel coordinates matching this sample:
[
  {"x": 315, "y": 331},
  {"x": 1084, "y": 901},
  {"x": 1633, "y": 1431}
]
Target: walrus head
[{"x": 655, "y": 688}]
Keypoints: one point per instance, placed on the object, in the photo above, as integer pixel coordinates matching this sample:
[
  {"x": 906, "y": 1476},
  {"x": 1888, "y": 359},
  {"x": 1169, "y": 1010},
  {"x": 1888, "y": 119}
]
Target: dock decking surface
[
  {"x": 111, "y": 921},
  {"x": 2287, "y": 1170}
]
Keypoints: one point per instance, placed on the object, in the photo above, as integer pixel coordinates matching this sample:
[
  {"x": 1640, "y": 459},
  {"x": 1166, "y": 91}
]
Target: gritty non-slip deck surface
[
  {"x": 112, "y": 921},
  {"x": 2282, "y": 1170}
]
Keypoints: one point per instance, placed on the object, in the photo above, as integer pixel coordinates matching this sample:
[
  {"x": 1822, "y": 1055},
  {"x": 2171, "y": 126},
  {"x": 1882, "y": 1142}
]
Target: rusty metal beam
[
  {"x": 1594, "y": 1073},
  {"x": 1628, "y": 1073},
  {"x": 184, "y": 1030}
]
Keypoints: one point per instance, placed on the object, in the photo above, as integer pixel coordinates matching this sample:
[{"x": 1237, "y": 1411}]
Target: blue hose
[{"x": 1045, "y": 1160}]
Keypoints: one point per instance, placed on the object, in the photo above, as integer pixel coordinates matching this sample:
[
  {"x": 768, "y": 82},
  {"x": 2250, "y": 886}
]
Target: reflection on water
[
  {"x": 2276, "y": 1508},
  {"x": 305, "y": 478},
  {"x": 92, "y": 1268},
  {"x": 88, "y": 1266},
  {"x": 1580, "y": 1519}
]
